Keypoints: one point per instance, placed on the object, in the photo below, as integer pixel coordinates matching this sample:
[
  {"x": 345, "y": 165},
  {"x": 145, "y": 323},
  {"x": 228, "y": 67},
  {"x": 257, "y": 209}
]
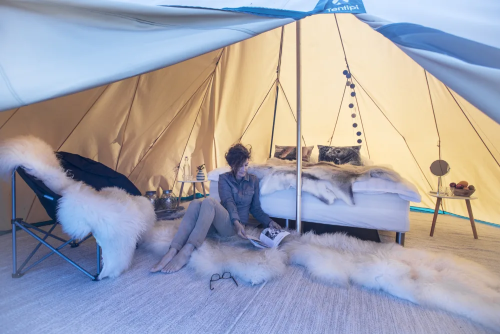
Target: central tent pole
[{"x": 299, "y": 135}]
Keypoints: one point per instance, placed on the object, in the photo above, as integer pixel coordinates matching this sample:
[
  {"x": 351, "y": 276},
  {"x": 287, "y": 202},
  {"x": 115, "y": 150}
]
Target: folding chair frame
[{"x": 21, "y": 224}]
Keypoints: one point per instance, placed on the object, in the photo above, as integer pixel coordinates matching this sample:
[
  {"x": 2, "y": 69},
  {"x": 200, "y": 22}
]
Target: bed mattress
[{"x": 381, "y": 211}]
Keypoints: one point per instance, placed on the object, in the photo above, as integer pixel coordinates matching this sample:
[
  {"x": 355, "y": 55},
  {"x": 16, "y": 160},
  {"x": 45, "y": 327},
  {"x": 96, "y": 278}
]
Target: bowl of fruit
[{"x": 462, "y": 189}]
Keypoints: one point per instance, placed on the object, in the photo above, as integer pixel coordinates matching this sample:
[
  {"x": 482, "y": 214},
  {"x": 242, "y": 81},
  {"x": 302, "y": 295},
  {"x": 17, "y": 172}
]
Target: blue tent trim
[
  {"x": 322, "y": 7},
  {"x": 425, "y": 210},
  {"x": 420, "y": 37}
]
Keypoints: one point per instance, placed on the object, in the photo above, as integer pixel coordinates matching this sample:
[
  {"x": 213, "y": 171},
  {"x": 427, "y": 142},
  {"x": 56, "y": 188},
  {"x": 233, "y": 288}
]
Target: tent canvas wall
[{"x": 144, "y": 125}]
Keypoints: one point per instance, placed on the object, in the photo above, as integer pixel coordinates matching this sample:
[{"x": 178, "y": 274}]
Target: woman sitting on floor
[{"x": 239, "y": 193}]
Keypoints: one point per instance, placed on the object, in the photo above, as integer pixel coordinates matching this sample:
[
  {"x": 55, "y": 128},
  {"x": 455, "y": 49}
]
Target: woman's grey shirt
[{"x": 241, "y": 198}]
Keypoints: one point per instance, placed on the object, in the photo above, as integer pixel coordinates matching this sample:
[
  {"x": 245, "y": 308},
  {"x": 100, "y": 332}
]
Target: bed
[{"x": 379, "y": 204}]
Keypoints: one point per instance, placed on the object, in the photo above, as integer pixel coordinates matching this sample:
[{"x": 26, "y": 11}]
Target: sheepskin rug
[
  {"x": 324, "y": 180},
  {"x": 218, "y": 254},
  {"x": 115, "y": 218},
  {"x": 441, "y": 281}
]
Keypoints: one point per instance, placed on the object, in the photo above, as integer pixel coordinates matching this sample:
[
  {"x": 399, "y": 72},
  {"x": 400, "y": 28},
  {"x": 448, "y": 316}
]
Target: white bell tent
[{"x": 138, "y": 87}]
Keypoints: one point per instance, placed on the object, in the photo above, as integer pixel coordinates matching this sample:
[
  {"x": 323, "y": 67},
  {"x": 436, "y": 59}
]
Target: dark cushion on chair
[
  {"x": 91, "y": 172},
  {"x": 94, "y": 173}
]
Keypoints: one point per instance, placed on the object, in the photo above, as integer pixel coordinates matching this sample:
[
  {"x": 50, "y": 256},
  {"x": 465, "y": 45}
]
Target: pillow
[
  {"x": 340, "y": 155},
  {"x": 290, "y": 152}
]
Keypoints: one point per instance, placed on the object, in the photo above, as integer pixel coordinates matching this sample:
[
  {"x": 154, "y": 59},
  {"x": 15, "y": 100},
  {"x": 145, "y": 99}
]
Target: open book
[{"x": 269, "y": 238}]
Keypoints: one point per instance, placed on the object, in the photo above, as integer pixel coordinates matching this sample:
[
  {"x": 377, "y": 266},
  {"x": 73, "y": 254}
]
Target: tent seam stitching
[{"x": 9, "y": 86}]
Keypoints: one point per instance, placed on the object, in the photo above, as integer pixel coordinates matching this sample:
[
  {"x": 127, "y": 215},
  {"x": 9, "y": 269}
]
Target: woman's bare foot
[
  {"x": 165, "y": 260},
  {"x": 180, "y": 260}
]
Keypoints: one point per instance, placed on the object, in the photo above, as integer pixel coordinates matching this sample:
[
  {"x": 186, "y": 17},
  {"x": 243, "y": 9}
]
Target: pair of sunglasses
[{"x": 225, "y": 275}]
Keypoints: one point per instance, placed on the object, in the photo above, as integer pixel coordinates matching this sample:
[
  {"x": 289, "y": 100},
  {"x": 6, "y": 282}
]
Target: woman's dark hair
[{"x": 237, "y": 155}]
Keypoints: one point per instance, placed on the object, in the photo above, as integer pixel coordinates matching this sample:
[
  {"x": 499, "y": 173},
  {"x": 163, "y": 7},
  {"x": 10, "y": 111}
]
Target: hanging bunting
[{"x": 352, "y": 106}]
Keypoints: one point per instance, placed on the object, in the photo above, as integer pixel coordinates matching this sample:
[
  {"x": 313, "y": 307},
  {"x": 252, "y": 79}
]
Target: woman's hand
[
  {"x": 240, "y": 229},
  {"x": 275, "y": 225}
]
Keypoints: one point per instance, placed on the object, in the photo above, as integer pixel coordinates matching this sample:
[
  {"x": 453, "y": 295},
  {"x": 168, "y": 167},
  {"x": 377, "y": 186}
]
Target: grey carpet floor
[{"x": 55, "y": 298}]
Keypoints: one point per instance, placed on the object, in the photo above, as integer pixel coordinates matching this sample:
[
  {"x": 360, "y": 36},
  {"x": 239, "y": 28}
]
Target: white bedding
[
  {"x": 384, "y": 211},
  {"x": 404, "y": 189}
]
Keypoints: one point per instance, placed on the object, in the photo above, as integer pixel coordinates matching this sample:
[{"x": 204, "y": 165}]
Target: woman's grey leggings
[{"x": 200, "y": 216}]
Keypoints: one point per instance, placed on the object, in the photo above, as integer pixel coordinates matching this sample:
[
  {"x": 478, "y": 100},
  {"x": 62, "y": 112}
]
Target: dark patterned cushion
[
  {"x": 290, "y": 152},
  {"x": 340, "y": 155}
]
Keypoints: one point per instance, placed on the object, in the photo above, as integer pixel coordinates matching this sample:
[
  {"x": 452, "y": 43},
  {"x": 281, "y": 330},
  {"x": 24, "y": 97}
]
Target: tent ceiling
[
  {"x": 144, "y": 125},
  {"x": 85, "y": 44}
]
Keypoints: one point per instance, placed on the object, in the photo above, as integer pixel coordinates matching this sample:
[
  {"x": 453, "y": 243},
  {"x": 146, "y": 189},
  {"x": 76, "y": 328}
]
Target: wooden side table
[
  {"x": 194, "y": 188},
  {"x": 469, "y": 209}
]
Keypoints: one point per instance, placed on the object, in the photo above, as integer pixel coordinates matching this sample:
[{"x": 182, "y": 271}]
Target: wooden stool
[{"x": 469, "y": 209}]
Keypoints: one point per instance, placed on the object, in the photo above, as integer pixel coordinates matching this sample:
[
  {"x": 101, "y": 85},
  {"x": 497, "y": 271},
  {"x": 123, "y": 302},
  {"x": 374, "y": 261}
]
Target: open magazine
[{"x": 269, "y": 238}]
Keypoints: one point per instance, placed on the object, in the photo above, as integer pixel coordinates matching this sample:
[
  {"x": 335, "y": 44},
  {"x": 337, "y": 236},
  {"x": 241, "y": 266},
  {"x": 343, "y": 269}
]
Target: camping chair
[{"x": 79, "y": 168}]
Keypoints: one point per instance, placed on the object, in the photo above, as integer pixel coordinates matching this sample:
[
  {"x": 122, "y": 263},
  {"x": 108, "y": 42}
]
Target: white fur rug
[
  {"x": 441, "y": 281},
  {"x": 218, "y": 254},
  {"x": 115, "y": 218}
]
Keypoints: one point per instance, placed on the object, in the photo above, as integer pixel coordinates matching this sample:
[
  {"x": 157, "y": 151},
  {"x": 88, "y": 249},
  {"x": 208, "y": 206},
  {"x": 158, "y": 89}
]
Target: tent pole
[
  {"x": 274, "y": 118},
  {"x": 299, "y": 135},
  {"x": 277, "y": 89}
]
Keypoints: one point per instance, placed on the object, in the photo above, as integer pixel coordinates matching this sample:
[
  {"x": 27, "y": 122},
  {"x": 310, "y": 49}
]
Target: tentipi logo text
[{"x": 342, "y": 6}]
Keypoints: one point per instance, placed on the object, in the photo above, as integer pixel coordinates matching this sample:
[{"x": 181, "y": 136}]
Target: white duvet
[{"x": 404, "y": 189}]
